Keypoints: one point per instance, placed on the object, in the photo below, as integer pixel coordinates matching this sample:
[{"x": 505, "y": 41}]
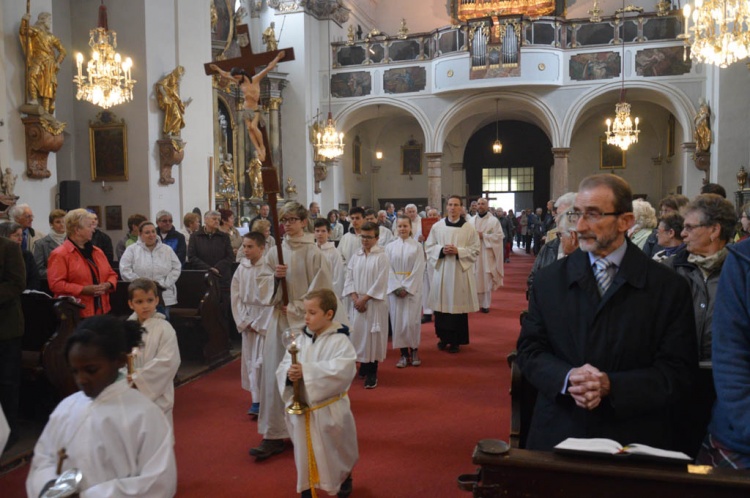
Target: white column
[{"x": 434, "y": 179}]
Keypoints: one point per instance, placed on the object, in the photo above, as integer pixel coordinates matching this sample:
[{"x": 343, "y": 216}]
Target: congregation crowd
[{"x": 628, "y": 333}]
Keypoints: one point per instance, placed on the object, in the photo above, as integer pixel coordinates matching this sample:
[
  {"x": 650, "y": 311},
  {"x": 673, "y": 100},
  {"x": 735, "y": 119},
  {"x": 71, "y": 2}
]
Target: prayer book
[{"x": 608, "y": 447}]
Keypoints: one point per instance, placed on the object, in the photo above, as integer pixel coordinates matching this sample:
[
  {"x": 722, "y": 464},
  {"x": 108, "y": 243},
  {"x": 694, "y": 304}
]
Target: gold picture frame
[
  {"x": 611, "y": 156},
  {"x": 108, "y": 146},
  {"x": 411, "y": 158}
]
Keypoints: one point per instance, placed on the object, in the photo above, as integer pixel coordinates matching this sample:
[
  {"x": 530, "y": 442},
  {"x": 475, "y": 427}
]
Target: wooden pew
[
  {"x": 539, "y": 474},
  {"x": 197, "y": 318}
]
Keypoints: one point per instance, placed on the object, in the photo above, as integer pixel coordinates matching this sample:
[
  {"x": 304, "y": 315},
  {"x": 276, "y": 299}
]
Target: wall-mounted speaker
[{"x": 70, "y": 194}]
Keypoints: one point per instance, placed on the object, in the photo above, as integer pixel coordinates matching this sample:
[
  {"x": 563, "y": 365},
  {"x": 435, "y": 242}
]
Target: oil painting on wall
[
  {"x": 667, "y": 61},
  {"x": 595, "y": 66},
  {"x": 405, "y": 80},
  {"x": 354, "y": 84}
]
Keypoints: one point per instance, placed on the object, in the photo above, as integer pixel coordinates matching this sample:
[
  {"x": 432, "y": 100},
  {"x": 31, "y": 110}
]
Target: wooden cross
[
  {"x": 248, "y": 60},
  {"x": 271, "y": 187},
  {"x": 61, "y": 456},
  {"x": 487, "y": 196}
]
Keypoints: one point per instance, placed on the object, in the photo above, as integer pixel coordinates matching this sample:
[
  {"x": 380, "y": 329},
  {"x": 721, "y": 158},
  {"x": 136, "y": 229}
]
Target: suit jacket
[
  {"x": 12, "y": 284},
  {"x": 641, "y": 333}
]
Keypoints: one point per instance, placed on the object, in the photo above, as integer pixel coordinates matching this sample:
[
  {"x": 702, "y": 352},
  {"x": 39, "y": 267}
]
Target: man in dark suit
[{"x": 609, "y": 340}]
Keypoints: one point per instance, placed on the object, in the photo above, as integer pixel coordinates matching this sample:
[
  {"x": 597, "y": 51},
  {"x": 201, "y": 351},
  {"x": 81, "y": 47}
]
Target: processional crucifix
[{"x": 242, "y": 71}]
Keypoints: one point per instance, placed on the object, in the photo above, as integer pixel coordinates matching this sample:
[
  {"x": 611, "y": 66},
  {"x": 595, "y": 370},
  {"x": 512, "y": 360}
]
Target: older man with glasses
[
  {"x": 169, "y": 234},
  {"x": 22, "y": 214},
  {"x": 609, "y": 339}
]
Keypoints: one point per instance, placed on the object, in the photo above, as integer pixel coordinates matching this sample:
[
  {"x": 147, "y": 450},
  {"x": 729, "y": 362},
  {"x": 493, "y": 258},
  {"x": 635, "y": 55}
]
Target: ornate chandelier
[
  {"x": 497, "y": 146},
  {"x": 108, "y": 79},
  {"x": 720, "y": 31},
  {"x": 621, "y": 132},
  {"x": 330, "y": 143}
]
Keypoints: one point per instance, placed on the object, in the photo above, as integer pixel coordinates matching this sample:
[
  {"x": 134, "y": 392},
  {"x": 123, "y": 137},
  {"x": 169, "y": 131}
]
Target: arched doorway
[{"x": 523, "y": 167}]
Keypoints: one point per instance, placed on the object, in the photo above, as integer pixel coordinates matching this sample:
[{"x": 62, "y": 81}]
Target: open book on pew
[{"x": 608, "y": 447}]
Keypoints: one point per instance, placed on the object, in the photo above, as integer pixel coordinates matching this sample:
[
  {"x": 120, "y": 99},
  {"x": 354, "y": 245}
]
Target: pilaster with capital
[
  {"x": 434, "y": 179},
  {"x": 560, "y": 171}
]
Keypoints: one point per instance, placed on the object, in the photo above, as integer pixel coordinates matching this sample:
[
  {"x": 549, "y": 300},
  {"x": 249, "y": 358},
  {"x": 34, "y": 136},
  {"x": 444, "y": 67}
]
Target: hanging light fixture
[
  {"x": 108, "y": 79},
  {"x": 378, "y": 152},
  {"x": 497, "y": 147},
  {"x": 720, "y": 31},
  {"x": 621, "y": 132},
  {"x": 330, "y": 143}
]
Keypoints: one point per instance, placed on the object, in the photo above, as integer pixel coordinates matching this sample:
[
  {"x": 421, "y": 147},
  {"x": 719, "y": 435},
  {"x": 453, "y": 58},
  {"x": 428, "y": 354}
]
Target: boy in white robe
[
  {"x": 366, "y": 288},
  {"x": 118, "y": 438},
  {"x": 251, "y": 291},
  {"x": 156, "y": 362},
  {"x": 489, "y": 266},
  {"x": 335, "y": 260},
  {"x": 405, "y": 279},
  {"x": 326, "y": 364},
  {"x": 452, "y": 249},
  {"x": 305, "y": 270},
  {"x": 350, "y": 243}
]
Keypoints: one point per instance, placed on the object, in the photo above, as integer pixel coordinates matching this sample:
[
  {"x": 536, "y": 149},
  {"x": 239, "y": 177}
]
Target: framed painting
[
  {"x": 108, "y": 143},
  {"x": 357, "y": 156},
  {"x": 113, "y": 217},
  {"x": 411, "y": 158},
  {"x": 610, "y": 156}
]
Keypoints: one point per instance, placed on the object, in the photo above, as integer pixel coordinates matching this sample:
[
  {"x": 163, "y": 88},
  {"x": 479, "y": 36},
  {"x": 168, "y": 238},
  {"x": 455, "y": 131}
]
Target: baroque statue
[
  {"x": 702, "y": 123},
  {"x": 269, "y": 38},
  {"x": 250, "y": 88},
  {"x": 168, "y": 95},
  {"x": 8, "y": 183},
  {"x": 256, "y": 178},
  {"x": 44, "y": 53}
]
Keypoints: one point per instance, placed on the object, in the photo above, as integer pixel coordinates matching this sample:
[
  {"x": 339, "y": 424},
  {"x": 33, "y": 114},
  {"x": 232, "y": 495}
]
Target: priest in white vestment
[
  {"x": 366, "y": 290},
  {"x": 489, "y": 267},
  {"x": 350, "y": 243},
  {"x": 452, "y": 248},
  {"x": 305, "y": 269},
  {"x": 405, "y": 280}
]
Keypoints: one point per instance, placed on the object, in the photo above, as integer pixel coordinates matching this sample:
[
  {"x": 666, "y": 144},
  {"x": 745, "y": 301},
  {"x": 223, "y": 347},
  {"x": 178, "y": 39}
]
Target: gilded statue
[
  {"x": 250, "y": 88},
  {"x": 44, "y": 53},
  {"x": 702, "y": 122},
  {"x": 168, "y": 95},
  {"x": 256, "y": 178},
  {"x": 269, "y": 38},
  {"x": 214, "y": 16},
  {"x": 226, "y": 174},
  {"x": 350, "y": 35}
]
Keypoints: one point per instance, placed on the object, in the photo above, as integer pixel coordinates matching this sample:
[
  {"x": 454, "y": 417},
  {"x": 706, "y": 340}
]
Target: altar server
[
  {"x": 117, "y": 437},
  {"x": 366, "y": 291},
  {"x": 335, "y": 260},
  {"x": 405, "y": 280}
]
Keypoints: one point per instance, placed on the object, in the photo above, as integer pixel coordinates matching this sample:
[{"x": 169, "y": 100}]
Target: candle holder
[{"x": 289, "y": 339}]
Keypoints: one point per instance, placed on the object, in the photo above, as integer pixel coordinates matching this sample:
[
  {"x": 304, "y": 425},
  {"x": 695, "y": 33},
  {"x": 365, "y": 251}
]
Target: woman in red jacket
[{"x": 77, "y": 268}]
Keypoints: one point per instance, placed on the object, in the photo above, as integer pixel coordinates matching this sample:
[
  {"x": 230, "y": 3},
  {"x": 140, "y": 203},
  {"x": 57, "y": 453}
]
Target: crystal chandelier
[
  {"x": 621, "y": 132},
  {"x": 330, "y": 143},
  {"x": 108, "y": 79},
  {"x": 720, "y": 31}
]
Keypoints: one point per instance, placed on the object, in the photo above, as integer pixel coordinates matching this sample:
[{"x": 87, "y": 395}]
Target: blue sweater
[{"x": 730, "y": 420}]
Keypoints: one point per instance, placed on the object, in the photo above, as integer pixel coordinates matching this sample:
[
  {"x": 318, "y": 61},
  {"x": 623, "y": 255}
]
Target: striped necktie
[{"x": 602, "y": 274}]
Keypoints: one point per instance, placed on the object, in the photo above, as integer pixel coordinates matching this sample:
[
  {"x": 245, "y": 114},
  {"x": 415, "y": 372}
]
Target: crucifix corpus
[{"x": 241, "y": 71}]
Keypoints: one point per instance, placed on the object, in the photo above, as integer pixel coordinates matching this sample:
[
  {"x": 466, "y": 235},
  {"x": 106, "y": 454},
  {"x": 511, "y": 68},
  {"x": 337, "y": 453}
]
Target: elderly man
[
  {"x": 210, "y": 248},
  {"x": 22, "y": 214},
  {"x": 452, "y": 248},
  {"x": 264, "y": 213},
  {"x": 416, "y": 222},
  {"x": 312, "y": 214},
  {"x": 169, "y": 234},
  {"x": 609, "y": 340},
  {"x": 489, "y": 267}
]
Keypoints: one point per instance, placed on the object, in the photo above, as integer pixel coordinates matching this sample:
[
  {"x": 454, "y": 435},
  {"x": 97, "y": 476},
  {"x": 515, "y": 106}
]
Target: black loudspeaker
[{"x": 70, "y": 194}]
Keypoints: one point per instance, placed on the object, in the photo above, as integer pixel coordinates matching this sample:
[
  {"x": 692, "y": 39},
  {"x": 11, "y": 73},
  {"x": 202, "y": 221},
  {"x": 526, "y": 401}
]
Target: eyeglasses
[
  {"x": 291, "y": 219},
  {"x": 589, "y": 216},
  {"x": 367, "y": 237},
  {"x": 687, "y": 227}
]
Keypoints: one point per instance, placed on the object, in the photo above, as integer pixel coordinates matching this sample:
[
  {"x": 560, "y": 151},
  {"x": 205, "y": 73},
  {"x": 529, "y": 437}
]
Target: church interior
[{"x": 418, "y": 93}]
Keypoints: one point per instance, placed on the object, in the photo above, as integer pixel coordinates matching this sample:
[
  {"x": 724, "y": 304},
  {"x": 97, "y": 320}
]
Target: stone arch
[
  {"x": 524, "y": 106},
  {"x": 668, "y": 97}
]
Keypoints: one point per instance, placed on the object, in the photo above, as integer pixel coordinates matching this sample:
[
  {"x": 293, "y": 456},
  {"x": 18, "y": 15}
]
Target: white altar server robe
[
  {"x": 368, "y": 274},
  {"x": 407, "y": 263},
  {"x": 348, "y": 245},
  {"x": 489, "y": 267},
  {"x": 328, "y": 367},
  {"x": 251, "y": 292},
  {"x": 385, "y": 236},
  {"x": 121, "y": 442},
  {"x": 156, "y": 362},
  {"x": 338, "y": 267},
  {"x": 453, "y": 288}
]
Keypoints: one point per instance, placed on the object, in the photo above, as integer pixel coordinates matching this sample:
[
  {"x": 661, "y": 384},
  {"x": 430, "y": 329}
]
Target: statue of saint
[
  {"x": 702, "y": 122},
  {"x": 226, "y": 174},
  {"x": 256, "y": 178},
  {"x": 8, "y": 184},
  {"x": 168, "y": 96},
  {"x": 269, "y": 38},
  {"x": 44, "y": 54},
  {"x": 250, "y": 88}
]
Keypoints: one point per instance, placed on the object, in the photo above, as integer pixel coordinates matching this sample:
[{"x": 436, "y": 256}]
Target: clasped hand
[
  {"x": 360, "y": 302},
  {"x": 95, "y": 290},
  {"x": 588, "y": 385},
  {"x": 450, "y": 249}
]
